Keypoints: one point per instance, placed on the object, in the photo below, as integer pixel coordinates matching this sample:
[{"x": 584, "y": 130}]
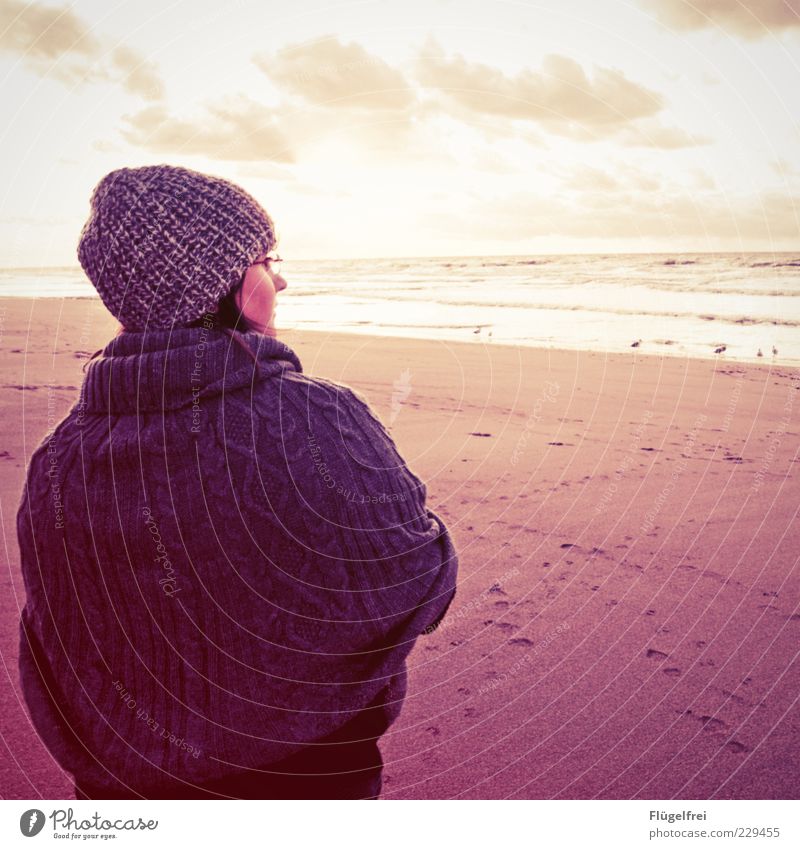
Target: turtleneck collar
[{"x": 167, "y": 369}]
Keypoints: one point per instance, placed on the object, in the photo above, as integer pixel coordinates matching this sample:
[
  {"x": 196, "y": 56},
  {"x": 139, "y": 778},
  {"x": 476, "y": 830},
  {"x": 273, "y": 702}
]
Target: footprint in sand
[
  {"x": 672, "y": 671},
  {"x": 432, "y": 729},
  {"x": 733, "y": 697},
  {"x": 521, "y": 641},
  {"x": 502, "y": 604},
  {"x": 711, "y": 723},
  {"x": 656, "y": 654},
  {"x": 713, "y": 726},
  {"x": 506, "y": 626}
]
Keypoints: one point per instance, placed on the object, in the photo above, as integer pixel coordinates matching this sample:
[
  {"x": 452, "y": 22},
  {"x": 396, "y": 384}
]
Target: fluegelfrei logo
[{"x": 31, "y": 822}]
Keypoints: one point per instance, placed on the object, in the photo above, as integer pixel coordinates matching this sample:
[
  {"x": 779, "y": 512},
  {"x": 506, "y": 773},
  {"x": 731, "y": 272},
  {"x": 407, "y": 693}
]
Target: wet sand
[{"x": 627, "y": 620}]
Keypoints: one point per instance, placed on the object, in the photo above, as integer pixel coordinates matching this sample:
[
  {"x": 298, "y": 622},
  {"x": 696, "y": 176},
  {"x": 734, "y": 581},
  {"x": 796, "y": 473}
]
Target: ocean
[{"x": 686, "y": 305}]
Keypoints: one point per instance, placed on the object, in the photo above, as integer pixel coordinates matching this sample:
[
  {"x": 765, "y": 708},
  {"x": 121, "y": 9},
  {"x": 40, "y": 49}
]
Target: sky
[{"x": 415, "y": 128}]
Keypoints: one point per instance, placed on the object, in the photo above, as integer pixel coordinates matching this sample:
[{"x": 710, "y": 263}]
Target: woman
[{"x": 241, "y": 561}]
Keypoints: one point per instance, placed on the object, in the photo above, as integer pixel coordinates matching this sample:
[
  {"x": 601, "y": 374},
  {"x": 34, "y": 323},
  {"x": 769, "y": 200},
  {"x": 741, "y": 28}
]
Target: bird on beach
[
  {"x": 774, "y": 350},
  {"x": 720, "y": 349},
  {"x": 636, "y": 343},
  {"x": 760, "y": 353}
]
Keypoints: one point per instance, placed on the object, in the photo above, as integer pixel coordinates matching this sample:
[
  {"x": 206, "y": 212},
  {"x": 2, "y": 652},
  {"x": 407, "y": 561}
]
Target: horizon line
[{"x": 475, "y": 256}]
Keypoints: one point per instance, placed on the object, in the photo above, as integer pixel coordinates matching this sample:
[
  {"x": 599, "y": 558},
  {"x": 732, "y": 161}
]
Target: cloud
[
  {"x": 56, "y": 43},
  {"x": 139, "y": 77},
  {"x": 240, "y": 131},
  {"x": 329, "y": 73},
  {"x": 560, "y": 97},
  {"x": 618, "y": 180},
  {"x": 653, "y": 134},
  {"x": 784, "y": 168},
  {"x": 751, "y": 19},
  {"x": 769, "y": 218},
  {"x": 41, "y": 32},
  {"x": 591, "y": 179}
]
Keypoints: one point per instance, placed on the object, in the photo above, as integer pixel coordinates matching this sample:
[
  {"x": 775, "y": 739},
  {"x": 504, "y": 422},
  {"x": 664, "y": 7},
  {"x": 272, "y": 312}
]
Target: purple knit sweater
[{"x": 224, "y": 558}]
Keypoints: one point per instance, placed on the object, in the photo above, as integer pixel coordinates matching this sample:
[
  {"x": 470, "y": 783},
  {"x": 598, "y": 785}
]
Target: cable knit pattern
[
  {"x": 163, "y": 245},
  {"x": 243, "y": 563}
]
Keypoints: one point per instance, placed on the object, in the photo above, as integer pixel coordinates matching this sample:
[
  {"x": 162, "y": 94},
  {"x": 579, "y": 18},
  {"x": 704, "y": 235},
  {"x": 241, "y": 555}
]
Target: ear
[{"x": 244, "y": 291}]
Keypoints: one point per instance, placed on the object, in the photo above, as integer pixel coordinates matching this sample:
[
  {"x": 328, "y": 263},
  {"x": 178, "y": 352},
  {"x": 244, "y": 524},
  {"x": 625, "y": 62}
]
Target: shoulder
[
  {"x": 335, "y": 404},
  {"x": 342, "y": 428}
]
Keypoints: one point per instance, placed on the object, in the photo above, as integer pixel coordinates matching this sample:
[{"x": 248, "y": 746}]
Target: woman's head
[
  {"x": 164, "y": 246},
  {"x": 250, "y": 305}
]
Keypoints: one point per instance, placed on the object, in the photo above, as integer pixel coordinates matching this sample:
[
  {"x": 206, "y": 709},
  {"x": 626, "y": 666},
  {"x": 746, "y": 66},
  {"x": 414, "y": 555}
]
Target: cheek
[
  {"x": 257, "y": 295},
  {"x": 266, "y": 295}
]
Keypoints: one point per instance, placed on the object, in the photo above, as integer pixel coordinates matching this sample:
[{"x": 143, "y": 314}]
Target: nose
[{"x": 280, "y": 282}]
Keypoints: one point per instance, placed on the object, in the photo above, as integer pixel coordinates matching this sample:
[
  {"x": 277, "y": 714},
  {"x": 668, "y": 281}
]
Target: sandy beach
[{"x": 627, "y": 619}]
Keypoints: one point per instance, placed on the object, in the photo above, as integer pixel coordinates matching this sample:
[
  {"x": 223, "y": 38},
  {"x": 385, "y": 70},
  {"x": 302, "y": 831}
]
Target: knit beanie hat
[{"x": 163, "y": 245}]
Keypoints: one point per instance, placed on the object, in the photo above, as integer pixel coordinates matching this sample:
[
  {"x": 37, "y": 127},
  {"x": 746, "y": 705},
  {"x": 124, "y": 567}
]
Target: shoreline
[
  {"x": 637, "y": 352},
  {"x": 626, "y": 620}
]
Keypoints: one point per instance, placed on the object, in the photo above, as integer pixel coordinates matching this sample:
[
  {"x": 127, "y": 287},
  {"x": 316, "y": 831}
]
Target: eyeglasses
[{"x": 271, "y": 263}]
